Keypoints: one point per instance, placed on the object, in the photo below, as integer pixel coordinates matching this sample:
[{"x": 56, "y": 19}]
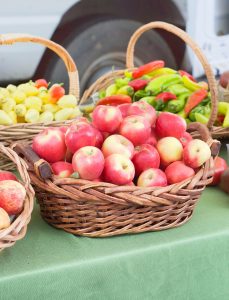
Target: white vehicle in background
[{"x": 96, "y": 33}]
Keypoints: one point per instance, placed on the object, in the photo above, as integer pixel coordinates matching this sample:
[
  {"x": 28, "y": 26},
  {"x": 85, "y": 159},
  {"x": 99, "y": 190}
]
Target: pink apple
[
  {"x": 145, "y": 158},
  {"x": 136, "y": 129},
  {"x": 50, "y": 145},
  {"x": 12, "y": 196},
  {"x": 118, "y": 144},
  {"x": 88, "y": 162},
  {"x": 107, "y": 118},
  {"x": 168, "y": 124},
  {"x": 152, "y": 140},
  {"x": 98, "y": 138},
  {"x": 144, "y": 109},
  {"x": 62, "y": 169},
  {"x": 196, "y": 153},
  {"x": 186, "y": 137},
  {"x": 5, "y": 175},
  {"x": 80, "y": 135},
  {"x": 118, "y": 169},
  {"x": 170, "y": 149},
  {"x": 178, "y": 171},
  {"x": 152, "y": 177},
  {"x": 124, "y": 109}
]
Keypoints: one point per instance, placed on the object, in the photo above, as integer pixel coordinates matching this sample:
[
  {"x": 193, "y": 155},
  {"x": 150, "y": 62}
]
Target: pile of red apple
[
  {"x": 12, "y": 197},
  {"x": 124, "y": 145}
]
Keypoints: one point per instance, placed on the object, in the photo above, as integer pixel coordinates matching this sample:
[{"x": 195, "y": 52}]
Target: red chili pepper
[
  {"x": 114, "y": 100},
  {"x": 165, "y": 96},
  {"x": 220, "y": 119},
  {"x": 194, "y": 99},
  {"x": 145, "y": 69},
  {"x": 138, "y": 84},
  {"x": 184, "y": 73}
]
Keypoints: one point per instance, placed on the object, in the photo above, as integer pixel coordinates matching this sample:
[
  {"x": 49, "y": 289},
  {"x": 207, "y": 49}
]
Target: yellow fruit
[
  {"x": 13, "y": 116},
  {"x": 63, "y": 114},
  {"x": 50, "y": 107},
  {"x": 11, "y": 88},
  {"x": 29, "y": 89},
  {"x": 45, "y": 96},
  {"x": 20, "y": 110},
  {"x": 4, "y": 93},
  {"x": 67, "y": 101},
  {"x": 5, "y": 118},
  {"x": 33, "y": 102},
  {"x": 75, "y": 113},
  {"x": 46, "y": 116},
  {"x": 19, "y": 96},
  {"x": 8, "y": 104},
  {"x": 32, "y": 116}
]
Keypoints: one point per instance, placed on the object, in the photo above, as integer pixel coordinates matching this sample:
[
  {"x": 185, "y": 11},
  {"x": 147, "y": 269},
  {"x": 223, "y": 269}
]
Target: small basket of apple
[
  {"x": 16, "y": 200},
  {"x": 120, "y": 174}
]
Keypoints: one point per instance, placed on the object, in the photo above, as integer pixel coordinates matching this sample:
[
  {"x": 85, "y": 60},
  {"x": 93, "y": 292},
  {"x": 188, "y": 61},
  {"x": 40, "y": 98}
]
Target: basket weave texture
[
  {"x": 26, "y": 131},
  {"x": 107, "y": 79},
  {"x": 99, "y": 209},
  {"x": 18, "y": 227}
]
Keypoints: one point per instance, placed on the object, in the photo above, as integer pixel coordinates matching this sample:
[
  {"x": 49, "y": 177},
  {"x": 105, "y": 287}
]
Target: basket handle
[
  {"x": 187, "y": 39},
  {"x": 9, "y": 39}
]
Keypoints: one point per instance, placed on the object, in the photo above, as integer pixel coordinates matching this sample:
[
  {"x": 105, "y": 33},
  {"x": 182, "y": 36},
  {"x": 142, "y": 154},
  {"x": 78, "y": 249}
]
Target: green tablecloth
[{"x": 189, "y": 262}]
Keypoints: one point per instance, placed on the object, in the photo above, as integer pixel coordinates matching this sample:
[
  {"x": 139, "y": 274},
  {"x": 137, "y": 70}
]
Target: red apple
[
  {"x": 170, "y": 149},
  {"x": 118, "y": 169},
  {"x": 145, "y": 158},
  {"x": 98, "y": 138},
  {"x": 124, "y": 109},
  {"x": 144, "y": 109},
  {"x": 168, "y": 124},
  {"x": 12, "y": 196},
  {"x": 50, "y": 145},
  {"x": 68, "y": 156},
  {"x": 80, "y": 135},
  {"x": 178, "y": 171},
  {"x": 136, "y": 129},
  {"x": 118, "y": 144},
  {"x": 88, "y": 162},
  {"x": 4, "y": 219},
  {"x": 220, "y": 165},
  {"x": 5, "y": 175},
  {"x": 152, "y": 140},
  {"x": 186, "y": 137},
  {"x": 152, "y": 177},
  {"x": 62, "y": 169},
  {"x": 107, "y": 118},
  {"x": 196, "y": 153}
]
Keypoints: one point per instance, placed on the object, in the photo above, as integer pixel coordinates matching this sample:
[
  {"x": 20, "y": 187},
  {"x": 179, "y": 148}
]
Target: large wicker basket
[
  {"x": 26, "y": 131},
  {"x": 99, "y": 209},
  {"x": 18, "y": 227},
  {"x": 107, "y": 79}
]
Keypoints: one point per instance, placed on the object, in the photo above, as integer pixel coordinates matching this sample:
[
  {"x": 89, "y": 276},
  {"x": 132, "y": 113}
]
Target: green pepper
[
  {"x": 111, "y": 90},
  {"x": 128, "y": 74},
  {"x": 178, "y": 89},
  {"x": 162, "y": 71},
  {"x": 120, "y": 82},
  {"x": 182, "y": 114},
  {"x": 201, "y": 118},
  {"x": 223, "y": 108},
  {"x": 125, "y": 90},
  {"x": 161, "y": 83},
  {"x": 159, "y": 105},
  {"x": 149, "y": 99},
  {"x": 177, "y": 105},
  {"x": 102, "y": 94},
  {"x": 141, "y": 94},
  {"x": 203, "y": 110}
]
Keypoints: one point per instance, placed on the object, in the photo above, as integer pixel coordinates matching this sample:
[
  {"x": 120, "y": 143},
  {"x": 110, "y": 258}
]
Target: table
[{"x": 189, "y": 262}]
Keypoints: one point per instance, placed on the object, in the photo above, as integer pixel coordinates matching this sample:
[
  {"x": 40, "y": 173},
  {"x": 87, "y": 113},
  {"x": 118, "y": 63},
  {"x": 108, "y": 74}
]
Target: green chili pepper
[
  {"x": 161, "y": 83},
  {"x": 149, "y": 99},
  {"x": 102, "y": 94},
  {"x": 177, "y": 105},
  {"x": 182, "y": 114},
  {"x": 201, "y": 118},
  {"x": 162, "y": 71},
  {"x": 141, "y": 94},
  {"x": 125, "y": 90},
  {"x": 223, "y": 108},
  {"x": 111, "y": 90},
  {"x": 120, "y": 82},
  {"x": 128, "y": 74},
  {"x": 198, "y": 109},
  {"x": 178, "y": 89}
]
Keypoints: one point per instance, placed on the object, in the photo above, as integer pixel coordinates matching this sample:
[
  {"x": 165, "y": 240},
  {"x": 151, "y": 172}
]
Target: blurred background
[{"x": 96, "y": 34}]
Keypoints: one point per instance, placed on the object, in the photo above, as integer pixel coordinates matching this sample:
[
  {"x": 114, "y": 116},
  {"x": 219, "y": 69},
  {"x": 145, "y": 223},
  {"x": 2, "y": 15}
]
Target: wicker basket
[
  {"x": 99, "y": 209},
  {"x": 26, "y": 131},
  {"x": 107, "y": 79},
  {"x": 18, "y": 227},
  {"x": 223, "y": 93}
]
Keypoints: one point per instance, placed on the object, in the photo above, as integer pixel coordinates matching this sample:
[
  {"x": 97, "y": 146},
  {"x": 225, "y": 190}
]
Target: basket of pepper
[
  {"x": 16, "y": 200},
  {"x": 28, "y": 108},
  {"x": 163, "y": 88}
]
